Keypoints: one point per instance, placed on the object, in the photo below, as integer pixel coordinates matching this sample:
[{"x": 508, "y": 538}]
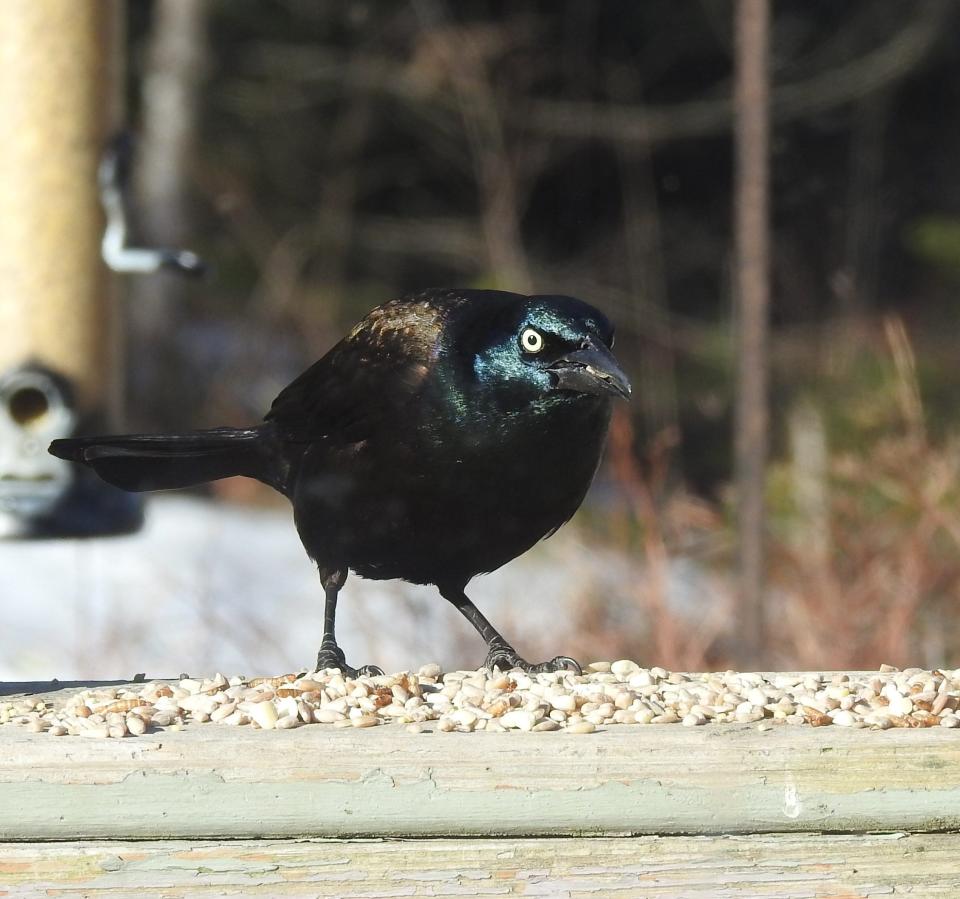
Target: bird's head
[{"x": 556, "y": 346}]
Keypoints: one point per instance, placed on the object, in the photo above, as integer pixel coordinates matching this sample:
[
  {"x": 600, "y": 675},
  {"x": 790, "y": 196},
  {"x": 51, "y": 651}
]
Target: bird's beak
[{"x": 591, "y": 369}]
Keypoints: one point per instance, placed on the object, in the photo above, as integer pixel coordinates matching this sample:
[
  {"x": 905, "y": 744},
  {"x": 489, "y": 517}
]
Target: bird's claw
[
  {"x": 331, "y": 656},
  {"x": 505, "y": 657},
  {"x": 563, "y": 663},
  {"x": 368, "y": 671}
]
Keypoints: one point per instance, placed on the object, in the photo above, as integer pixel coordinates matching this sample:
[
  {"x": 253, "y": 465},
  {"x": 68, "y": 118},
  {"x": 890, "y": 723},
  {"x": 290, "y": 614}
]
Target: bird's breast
[{"x": 454, "y": 501}]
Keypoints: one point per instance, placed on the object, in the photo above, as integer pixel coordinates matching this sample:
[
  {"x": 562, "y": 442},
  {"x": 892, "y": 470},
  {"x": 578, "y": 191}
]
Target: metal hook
[{"x": 113, "y": 176}]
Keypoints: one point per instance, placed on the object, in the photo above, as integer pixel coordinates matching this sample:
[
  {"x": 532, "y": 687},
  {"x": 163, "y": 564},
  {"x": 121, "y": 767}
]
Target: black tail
[{"x": 164, "y": 461}]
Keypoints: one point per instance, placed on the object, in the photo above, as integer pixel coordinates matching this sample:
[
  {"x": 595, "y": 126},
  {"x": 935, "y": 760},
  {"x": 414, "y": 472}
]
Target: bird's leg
[
  {"x": 501, "y": 655},
  {"x": 331, "y": 655}
]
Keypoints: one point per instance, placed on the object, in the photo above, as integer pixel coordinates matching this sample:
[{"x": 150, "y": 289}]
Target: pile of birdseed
[{"x": 606, "y": 694}]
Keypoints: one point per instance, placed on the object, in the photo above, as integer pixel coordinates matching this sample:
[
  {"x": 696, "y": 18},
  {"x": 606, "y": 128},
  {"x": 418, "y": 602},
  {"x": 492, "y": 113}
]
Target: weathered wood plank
[
  {"x": 212, "y": 781},
  {"x": 774, "y": 866}
]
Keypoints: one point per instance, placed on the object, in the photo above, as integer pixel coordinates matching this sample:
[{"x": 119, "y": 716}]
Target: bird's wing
[{"x": 367, "y": 378}]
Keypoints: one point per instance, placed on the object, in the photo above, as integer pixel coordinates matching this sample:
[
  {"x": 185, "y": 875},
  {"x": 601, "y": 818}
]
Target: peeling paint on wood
[
  {"x": 541, "y": 814},
  {"x": 212, "y": 781},
  {"x": 771, "y": 866}
]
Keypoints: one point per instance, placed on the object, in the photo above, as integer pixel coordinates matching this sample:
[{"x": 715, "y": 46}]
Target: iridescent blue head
[{"x": 553, "y": 346}]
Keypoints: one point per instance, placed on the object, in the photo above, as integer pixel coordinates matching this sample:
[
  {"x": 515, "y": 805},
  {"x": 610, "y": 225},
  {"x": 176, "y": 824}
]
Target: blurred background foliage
[{"x": 327, "y": 156}]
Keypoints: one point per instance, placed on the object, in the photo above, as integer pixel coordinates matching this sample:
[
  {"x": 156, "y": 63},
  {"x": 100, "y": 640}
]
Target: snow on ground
[{"x": 210, "y": 587}]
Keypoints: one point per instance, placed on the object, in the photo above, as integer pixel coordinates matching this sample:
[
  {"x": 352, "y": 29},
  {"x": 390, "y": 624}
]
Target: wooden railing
[{"x": 631, "y": 810}]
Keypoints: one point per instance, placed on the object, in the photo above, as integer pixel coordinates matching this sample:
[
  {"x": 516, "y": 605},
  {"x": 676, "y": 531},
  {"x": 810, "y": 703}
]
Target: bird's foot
[
  {"x": 505, "y": 657},
  {"x": 331, "y": 656}
]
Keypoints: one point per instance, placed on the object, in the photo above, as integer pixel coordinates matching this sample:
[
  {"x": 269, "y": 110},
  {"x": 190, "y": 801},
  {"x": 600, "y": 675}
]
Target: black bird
[{"x": 444, "y": 436}]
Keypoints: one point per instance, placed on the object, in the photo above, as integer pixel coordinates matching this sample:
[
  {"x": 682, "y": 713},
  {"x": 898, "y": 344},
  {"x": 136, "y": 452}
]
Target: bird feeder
[{"x": 59, "y": 334}]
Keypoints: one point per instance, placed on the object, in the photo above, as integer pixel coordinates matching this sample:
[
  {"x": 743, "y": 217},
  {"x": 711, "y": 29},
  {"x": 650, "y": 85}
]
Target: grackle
[{"x": 444, "y": 436}]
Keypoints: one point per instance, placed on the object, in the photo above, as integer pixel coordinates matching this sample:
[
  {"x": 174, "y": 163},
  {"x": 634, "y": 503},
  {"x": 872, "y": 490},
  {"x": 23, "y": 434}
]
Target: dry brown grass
[{"x": 873, "y": 576}]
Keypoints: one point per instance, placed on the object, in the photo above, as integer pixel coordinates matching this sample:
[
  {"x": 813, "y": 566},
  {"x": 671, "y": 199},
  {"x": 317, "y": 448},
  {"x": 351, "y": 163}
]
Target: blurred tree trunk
[
  {"x": 809, "y": 470},
  {"x": 858, "y": 282},
  {"x": 177, "y": 60},
  {"x": 645, "y": 269},
  {"x": 751, "y": 234}
]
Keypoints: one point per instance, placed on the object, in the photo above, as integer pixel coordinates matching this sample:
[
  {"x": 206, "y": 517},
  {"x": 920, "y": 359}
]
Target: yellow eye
[{"x": 531, "y": 340}]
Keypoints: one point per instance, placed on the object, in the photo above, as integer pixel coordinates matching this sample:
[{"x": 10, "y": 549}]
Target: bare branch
[{"x": 656, "y": 124}]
